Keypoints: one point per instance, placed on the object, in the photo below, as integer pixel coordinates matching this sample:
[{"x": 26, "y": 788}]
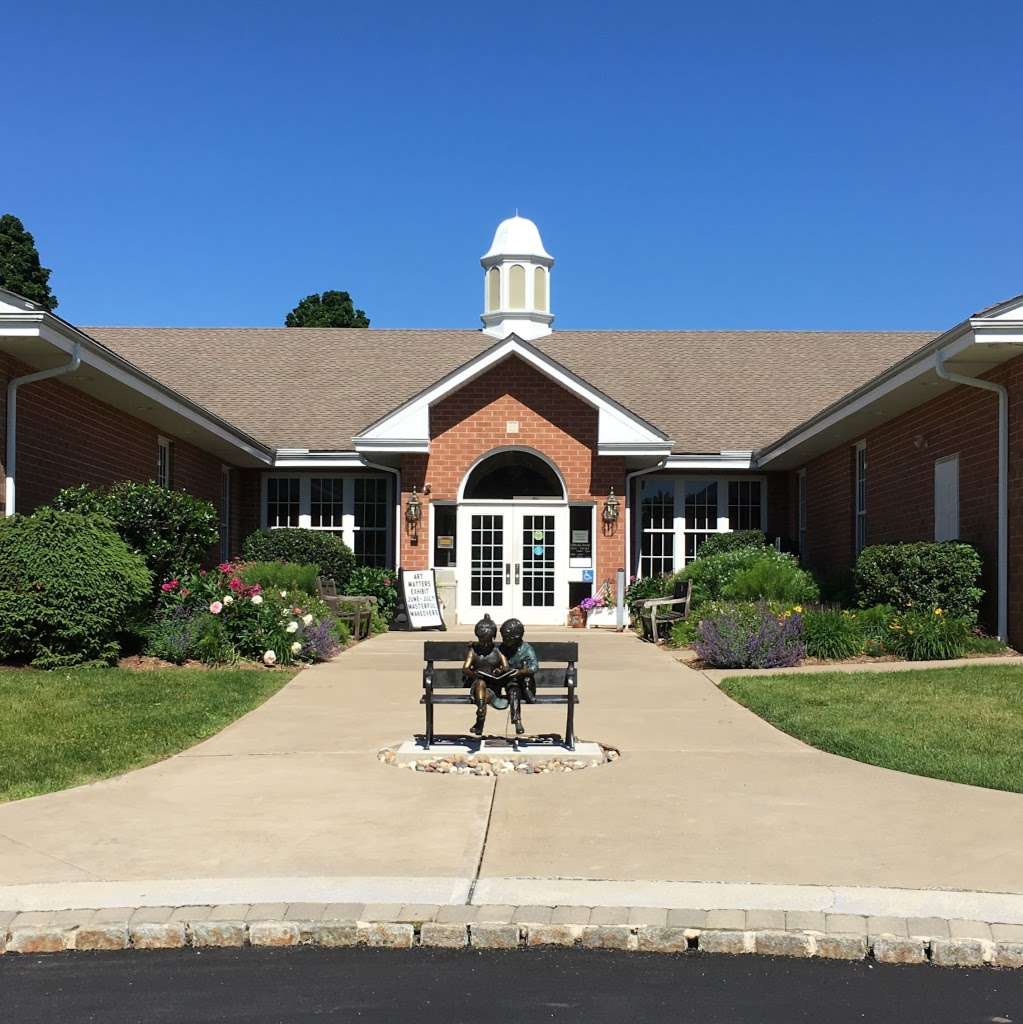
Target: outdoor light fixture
[
  {"x": 611, "y": 510},
  {"x": 413, "y": 514}
]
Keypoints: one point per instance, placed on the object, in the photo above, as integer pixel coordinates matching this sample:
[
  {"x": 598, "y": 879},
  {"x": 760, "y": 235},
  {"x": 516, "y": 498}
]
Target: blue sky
[{"x": 704, "y": 166}]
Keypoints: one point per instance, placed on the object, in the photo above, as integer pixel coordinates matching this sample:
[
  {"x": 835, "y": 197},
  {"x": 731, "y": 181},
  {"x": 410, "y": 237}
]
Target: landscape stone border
[{"x": 891, "y": 940}]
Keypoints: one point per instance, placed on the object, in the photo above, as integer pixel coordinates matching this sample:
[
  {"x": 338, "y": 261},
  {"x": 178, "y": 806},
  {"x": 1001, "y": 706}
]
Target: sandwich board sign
[{"x": 418, "y": 604}]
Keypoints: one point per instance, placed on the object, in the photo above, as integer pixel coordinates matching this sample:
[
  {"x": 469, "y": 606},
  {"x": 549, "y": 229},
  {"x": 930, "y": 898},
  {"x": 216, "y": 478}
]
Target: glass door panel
[
  {"x": 539, "y": 563},
  {"x": 487, "y": 565}
]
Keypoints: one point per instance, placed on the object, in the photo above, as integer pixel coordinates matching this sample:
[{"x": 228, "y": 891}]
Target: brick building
[{"x": 517, "y": 440}]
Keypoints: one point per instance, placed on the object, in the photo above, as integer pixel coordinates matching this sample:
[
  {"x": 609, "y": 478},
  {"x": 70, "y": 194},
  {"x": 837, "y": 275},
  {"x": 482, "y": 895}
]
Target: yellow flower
[
  {"x": 938, "y": 611},
  {"x": 797, "y": 608}
]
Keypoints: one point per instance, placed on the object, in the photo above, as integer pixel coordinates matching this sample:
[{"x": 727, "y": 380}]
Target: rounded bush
[
  {"x": 736, "y": 540},
  {"x": 68, "y": 585},
  {"x": 327, "y": 552},
  {"x": 172, "y": 530},
  {"x": 748, "y": 574},
  {"x": 926, "y": 575}
]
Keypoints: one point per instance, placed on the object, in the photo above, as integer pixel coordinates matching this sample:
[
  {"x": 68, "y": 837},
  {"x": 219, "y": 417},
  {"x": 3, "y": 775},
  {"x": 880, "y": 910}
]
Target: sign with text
[{"x": 419, "y": 594}]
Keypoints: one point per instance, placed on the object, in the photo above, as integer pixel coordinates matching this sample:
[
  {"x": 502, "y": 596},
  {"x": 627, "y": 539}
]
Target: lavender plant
[{"x": 751, "y": 638}]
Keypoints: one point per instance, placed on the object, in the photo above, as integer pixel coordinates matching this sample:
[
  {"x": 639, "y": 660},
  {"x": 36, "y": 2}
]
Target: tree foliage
[
  {"x": 20, "y": 270},
  {"x": 329, "y": 309}
]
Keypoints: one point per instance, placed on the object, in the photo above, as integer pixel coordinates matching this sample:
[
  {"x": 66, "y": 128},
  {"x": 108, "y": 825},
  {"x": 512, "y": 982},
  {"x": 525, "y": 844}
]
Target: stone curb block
[
  {"x": 652, "y": 939},
  {"x": 1008, "y": 954},
  {"x": 102, "y": 936},
  {"x": 891, "y": 949},
  {"x": 962, "y": 952},
  {"x": 382, "y": 935},
  {"x": 158, "y": 936},
  {"x": 494, "y": 936},
  {"x": 731, "y": 942},
  {"x": 608, "y": 936},
  {"x": 443, "y": 936},
  {"x": 778, "y": 943},
  {"x": 552, "y": 934},
  {"x": 842, "y": 947},
  {"x": 217, "y": 933},
  {"x": 274, "y": 933},
  {"x": 29, "y": 939},
  {"x": 329, "y": 934}
]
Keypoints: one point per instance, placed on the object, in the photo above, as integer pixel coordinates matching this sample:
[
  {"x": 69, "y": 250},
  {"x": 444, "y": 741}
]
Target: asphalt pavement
[{"x": 454, "y": 986}]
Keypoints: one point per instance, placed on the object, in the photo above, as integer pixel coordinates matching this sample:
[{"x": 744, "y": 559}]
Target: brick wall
[
  {"x": 551, "y": 420},
  {"x": 900, "y": 485},
  {"x": 66, "y": 437}
]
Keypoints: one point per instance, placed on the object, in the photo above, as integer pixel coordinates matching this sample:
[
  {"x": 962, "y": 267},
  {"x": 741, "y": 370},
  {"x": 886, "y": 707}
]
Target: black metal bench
[{"x": 548, "y": 677}]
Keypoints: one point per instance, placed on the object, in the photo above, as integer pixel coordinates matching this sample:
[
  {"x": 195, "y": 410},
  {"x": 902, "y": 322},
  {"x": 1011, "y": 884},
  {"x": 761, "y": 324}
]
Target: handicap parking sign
[{"x": 587, "y": 575}]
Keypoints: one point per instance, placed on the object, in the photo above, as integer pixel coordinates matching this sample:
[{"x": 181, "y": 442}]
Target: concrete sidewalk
[{"x": 293, "y": 797}]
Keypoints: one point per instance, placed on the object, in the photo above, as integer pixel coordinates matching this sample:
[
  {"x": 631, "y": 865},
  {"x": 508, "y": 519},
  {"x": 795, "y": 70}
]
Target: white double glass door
[{"x": 513, "y": 561}]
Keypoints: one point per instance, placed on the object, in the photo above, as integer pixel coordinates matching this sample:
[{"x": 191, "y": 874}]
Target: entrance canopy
[{"x": 508, "y": 475}]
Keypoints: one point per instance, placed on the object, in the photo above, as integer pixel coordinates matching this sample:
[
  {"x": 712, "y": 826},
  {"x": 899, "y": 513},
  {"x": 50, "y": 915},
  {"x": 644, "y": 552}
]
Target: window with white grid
[{"x": 657, "y": 525}]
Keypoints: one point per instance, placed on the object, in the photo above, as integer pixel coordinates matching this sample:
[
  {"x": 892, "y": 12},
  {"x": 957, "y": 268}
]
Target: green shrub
[
  {"x": 327, "y": 552},
  {"x": 923, "y": 575},
  {"x": 737, "y": 540},
  {"x": 280, "y": 575},
  {"x": 710, "y": 575},
  {"x": 873, "y": 622},
  {"x": 68, "y": 584},
  {"x": 641, "y": 588},
  {"x": 382, "y": 584},
  {"x": 683, "y": 633},
  {"x": 831, "y": 634},
  {"x": 920, "y": 635},
  {"x": 171, "y": 530},
  {"x": 980, "y": 643},
  {"x": 772, "y": 577}
]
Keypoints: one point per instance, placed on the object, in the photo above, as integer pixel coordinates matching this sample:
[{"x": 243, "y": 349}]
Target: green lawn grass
[
  {"x": 64, "y": 728},
  {"x": 962, "y": 724}
]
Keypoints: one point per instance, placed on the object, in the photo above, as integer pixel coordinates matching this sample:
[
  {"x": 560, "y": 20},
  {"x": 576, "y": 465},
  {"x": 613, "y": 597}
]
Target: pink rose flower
[
  {"x": 170, "y": 585},
  {"x": 225, "y": 568},
  {"x": 216, "y": 607}
]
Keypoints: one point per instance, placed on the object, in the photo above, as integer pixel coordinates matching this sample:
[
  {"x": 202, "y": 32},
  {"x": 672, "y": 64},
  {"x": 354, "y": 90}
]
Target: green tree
[
  {"x": 20, "y": 270},
  {"x": 331, "y": 309}
]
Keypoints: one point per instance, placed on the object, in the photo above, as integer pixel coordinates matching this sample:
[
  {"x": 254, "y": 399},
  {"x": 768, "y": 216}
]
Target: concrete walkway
[{"x": 705, "y": 792}]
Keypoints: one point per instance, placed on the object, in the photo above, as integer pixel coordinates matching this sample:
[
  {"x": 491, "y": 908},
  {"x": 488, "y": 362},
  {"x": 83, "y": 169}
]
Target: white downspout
[
  {"x": 11, "y": 456},
  {"x": 629, "y": 477},
  {"x": 1003, "y": 482}
]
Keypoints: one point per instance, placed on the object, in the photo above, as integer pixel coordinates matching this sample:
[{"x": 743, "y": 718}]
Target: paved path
[{"x": 704, "y": 792}]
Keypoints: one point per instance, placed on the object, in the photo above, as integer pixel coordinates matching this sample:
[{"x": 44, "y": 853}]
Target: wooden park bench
[
  {"x": 658, "y": 614},
  {"x": 557, "y": 671},
  {"x": 355, "y": 610}
]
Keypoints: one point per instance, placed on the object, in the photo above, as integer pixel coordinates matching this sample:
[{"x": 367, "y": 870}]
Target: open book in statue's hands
[{"x": 495, "y": 677}]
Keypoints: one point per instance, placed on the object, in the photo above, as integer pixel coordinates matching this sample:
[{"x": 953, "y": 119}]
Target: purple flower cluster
[
  {"x": 760, "y": 639},
  {"x": 320, "y": 642}
]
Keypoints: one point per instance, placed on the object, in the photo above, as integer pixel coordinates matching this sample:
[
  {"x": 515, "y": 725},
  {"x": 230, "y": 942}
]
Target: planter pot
[
  {"x": 607, "y": 617},
  {"x": 576, "y": 618}
]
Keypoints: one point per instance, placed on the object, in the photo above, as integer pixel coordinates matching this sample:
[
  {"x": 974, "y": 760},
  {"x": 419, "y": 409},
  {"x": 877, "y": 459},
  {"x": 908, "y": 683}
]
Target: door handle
[
  {"x": 507, "y": 573},
  {"x": 518, "y": 566}
]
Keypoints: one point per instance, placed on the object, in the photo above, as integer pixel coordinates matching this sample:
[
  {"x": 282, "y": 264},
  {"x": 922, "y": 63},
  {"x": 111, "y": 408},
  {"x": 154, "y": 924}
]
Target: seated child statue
[
  {"x": 520, "y": 681},
  {"x": 482, "y": 669}
]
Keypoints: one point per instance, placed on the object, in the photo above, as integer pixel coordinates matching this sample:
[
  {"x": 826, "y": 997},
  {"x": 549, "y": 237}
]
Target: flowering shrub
[
  {"x": 589, "y": 603},
  {"x": 382, "y": 584},
  {"x": 217, "y": 617},
  {"x": 933, "y": 635},
  {"x": 751, "y": 636}
]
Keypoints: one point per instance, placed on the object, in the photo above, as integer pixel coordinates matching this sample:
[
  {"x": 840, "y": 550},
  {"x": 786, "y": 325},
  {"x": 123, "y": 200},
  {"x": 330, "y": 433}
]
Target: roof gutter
[
  {"x": 1003, "y": 481},
  {"x": 11, "y": 456}
]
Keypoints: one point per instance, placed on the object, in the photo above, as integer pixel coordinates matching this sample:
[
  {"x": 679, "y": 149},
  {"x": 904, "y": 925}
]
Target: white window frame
[
  {"x": 860, "y": 498},
  {"x": 164, "y": 454},
  {"x": 953, "y": 533},
  {"x": 225, "y": 513},
  {"x": 678, "y": 482},
  {"x": 348, "y": 527},
  {"x": 801, "y": 511}
]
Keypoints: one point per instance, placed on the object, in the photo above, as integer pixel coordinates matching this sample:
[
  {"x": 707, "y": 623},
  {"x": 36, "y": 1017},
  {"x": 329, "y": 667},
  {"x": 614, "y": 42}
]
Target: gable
[{"x": 407, "y": 428}]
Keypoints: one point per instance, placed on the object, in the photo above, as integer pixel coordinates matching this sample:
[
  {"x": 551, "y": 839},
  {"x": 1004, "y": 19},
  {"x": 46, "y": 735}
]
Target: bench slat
[
  {"x": 451, "y": 678},
  {"x": 449, "y": 650},
  {"x": 453, "y": 698}
]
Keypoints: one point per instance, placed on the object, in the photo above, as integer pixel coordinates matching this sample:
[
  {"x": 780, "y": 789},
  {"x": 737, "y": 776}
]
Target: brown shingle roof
[{"x": 316, "y": 388}]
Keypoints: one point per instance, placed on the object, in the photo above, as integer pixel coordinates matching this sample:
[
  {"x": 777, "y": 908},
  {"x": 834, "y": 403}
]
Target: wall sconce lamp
[
  {"x": 610, "y": 513},
  {"x": 413, "y": 515}
]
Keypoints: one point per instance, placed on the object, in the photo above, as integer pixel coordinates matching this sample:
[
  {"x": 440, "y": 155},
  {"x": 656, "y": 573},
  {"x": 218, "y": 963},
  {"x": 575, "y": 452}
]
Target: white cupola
[{"x": 517, "y": 282}]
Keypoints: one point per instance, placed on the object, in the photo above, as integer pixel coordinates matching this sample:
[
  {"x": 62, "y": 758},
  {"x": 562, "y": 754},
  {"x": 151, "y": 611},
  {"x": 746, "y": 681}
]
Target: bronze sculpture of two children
[{"x": 500, "y": 675}]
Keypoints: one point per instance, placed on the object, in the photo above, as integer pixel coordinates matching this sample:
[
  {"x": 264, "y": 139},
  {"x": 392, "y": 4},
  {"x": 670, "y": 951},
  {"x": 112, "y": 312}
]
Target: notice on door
[{"x": 419, "y": 595}]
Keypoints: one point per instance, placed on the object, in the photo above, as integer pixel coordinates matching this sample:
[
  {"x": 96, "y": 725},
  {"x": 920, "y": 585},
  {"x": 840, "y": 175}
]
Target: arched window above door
[{"x": 510, "y": 474}]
